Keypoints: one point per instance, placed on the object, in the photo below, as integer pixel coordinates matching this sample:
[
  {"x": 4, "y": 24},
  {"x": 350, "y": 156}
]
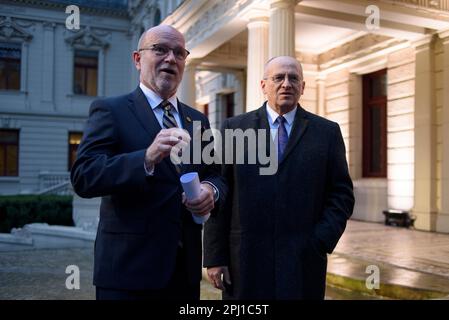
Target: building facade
[
  {"x": 380, "y": 69},
  {"x": 49, "y": 75}
]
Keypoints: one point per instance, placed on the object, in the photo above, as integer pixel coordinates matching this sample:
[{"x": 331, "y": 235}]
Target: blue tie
[{"x": 282, "y": 137}]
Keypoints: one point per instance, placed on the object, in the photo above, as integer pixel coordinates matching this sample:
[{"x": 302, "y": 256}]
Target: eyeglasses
[
  {"x": 161, "y": 50},
  {"x": 279, "y": 78}
]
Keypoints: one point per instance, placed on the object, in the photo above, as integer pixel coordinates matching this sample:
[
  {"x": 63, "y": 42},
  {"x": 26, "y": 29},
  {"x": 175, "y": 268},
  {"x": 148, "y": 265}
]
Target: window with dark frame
[
  {"x": 10, "y": 59},
  {"x": 9, "y": 153},
  {"x": 375, "y": 124},
  {"x": 74, "y": 141},
  {"x": 229, "y": 105},
  {"x": 85, "y": 72}
]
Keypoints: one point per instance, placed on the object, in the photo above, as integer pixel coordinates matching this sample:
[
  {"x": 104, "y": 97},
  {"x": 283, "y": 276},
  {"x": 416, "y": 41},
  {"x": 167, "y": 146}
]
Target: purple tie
[{"x": 282, "y": 137}]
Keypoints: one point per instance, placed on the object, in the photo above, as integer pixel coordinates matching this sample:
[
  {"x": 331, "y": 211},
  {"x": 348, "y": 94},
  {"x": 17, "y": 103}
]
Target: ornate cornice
[
  {"x": 352, "y": 50},
  {"x": 98, "y": 10},
  {"x": 10, "y": 30},
  {"x": 307, "y": 58},
  {"x": 88, "y": 38},
  {"x": 139, "y": 8},
  {"x": 441, "y": 5},
  {"x": 213, "y": 19},
  {"x": 444, "y": 35},
  {"x": 356, "y": 48}
]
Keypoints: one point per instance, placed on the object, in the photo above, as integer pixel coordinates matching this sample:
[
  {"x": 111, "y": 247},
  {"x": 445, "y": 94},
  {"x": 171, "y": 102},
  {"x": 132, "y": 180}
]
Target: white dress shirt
[
  {"x": 274, "y": 125},
  {"x": 154, "y": 100}
]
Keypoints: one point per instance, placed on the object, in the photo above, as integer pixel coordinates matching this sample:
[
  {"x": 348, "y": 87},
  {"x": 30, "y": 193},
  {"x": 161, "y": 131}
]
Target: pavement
[
  {"x": 411, "y": 264},
  {"x": 408, "y": 264}
]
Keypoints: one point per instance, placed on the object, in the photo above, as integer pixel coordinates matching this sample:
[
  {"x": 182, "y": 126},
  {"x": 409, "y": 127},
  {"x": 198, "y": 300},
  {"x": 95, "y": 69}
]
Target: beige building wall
[
  {"x": 337, "y": 102},
  {"x": 442, "y": 116},
  {"x": 309, "y": 99},
  {"x": 400, "y": 128},
  {"x": 438, "y": 120}
]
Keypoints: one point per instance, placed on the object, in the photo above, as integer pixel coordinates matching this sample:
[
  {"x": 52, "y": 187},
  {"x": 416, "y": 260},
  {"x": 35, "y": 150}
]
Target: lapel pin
[{"x": 188, "y": 119}]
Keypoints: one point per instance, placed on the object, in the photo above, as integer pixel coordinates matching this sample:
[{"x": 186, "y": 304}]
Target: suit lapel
[
  {"x": 186, "y": 118},
  {"x": 261, "y": 122},
  {"x": 299, "y": 127},
  {"x": 142, "y": 110}
]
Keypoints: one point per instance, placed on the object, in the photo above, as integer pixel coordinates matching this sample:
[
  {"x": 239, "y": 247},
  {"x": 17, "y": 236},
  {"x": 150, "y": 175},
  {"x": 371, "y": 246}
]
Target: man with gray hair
[{"x": 271, "y": 239}]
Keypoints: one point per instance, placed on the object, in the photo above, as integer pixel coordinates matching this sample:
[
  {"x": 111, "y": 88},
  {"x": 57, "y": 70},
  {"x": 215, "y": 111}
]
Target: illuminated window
[
  {"x": 85, "y": 72},
  {"x": 10, "y": 56},
  {"x": 9, "y": 153},
  {"x": 375, "y": 124},
  {"x": 74, "y": 141}
]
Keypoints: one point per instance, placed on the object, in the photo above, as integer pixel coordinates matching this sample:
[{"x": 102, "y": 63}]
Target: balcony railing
[{"x": 55, "y": 183}]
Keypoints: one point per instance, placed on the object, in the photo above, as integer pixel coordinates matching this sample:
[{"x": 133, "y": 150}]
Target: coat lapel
[
  {"x": 299, "y": 127},
  {"x": 142, "y": 110},
  {"x": 261, "y": 122},
  {"x": 187, "y": 119}
]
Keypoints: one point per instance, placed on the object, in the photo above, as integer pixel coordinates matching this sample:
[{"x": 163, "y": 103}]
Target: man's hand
[
  {"x": 204, "y": 203},
  {"x": 215, "y": 276},
  {"x": 162, "y": 145}
]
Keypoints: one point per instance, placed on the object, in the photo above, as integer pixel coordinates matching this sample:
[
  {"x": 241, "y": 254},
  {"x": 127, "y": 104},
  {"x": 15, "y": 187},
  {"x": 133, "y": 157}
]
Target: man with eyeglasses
[
  {"x": 271, "y": 239},
  {"x": 148, "y": 246}
]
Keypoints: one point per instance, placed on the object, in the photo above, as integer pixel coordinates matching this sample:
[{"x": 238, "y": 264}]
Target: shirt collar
[
  {"x": 153, "y": 98},
  {"x": 273, "y": 115}
]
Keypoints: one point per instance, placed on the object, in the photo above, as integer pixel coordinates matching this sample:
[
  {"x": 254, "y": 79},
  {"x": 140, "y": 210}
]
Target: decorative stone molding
[
  {"x": 444, "y": 36},
  {"x": 95, "y": 7},
  {"x": 88, "y": 38},
  {"x": 307, "y": 58},
  {"x": 231, "y": 49},
  {"x": 213, "y": 18},
  {"x": 233, "y": 52},
  {"x": 283, "y": 3},
  {"x": 133, "y": 6},
  {"x": 10, "y": 30},
  {"x": 361, "y": 46},
  {"x": 427, "y": 4}
]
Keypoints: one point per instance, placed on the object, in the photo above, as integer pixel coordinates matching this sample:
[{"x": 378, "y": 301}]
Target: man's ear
[
  {"x": 262, "y": 85},
  {"x": 303, "y": 85},
  {"x": 136, "y": 59}
]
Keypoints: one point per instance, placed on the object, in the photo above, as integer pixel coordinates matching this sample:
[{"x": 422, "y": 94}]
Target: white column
[
  {"x": 187, "y": 90},
  {"x": 443, "y": 219},
  {"x": 101, "y": 74},
  {"x": 321, "y": 97},
  {"x": 257, "y": 57},
  {"x": 24, "y": 67},
  {"x": 425, "y": 171},
  {"x": 48, "y": 62},
  {"x": 282, "y": 28}
]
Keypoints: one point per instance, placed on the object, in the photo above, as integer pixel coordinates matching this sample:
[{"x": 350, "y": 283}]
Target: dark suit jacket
[
  {"x": 275, "y": 231},
  {"x": 142, "y": 218}
]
